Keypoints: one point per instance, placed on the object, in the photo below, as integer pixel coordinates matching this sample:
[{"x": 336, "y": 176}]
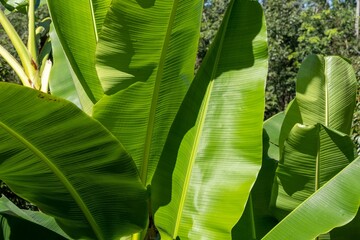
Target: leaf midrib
[
  {"x": 155, "y": 96},
  {"x": 326, "y": 124},
  {"x": 61, "y": 177},
  {"x": 200, "y": 127},
  {"x": 93, "y": 20}
]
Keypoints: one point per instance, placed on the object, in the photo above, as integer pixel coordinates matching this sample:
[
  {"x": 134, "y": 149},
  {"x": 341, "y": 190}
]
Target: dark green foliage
[{"x": 283, "y": 22}]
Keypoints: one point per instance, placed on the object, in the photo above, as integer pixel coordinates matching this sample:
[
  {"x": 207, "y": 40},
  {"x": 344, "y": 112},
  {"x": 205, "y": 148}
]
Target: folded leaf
[
  {"x": 213, "y": 153},
  {"x": 326, "y": 92},
  {"x": 312, "y": 156},
  {"x": 76, "y": 25},
  {"x": 333, "y": 205},
  {"x": 57, "y": 157}
]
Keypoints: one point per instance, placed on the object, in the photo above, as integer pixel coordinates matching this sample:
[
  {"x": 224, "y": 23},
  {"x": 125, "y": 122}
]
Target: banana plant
[
  {"x": 335, "y": 204},
  {"x": 98, "y": 188},
  {"x": 145, "y": 143},
  {"x": 313, "y": 142},
  {"x": 311, "y": 139}
]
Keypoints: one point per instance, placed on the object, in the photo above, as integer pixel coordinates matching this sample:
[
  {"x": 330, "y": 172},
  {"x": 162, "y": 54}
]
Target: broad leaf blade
[
  {"x": 75, "y": 24},
  {"x": 312, "y": 156},
  {"x": 213, "y": 153},
  {"x": 257, "y": 215},
  {"x": 148, "y": 69},
  {"x": 326, "y": 92},
  {"x": 20, "y": 224},
  {"x": 333, "y": 205},
  {"x": 69, "y": 165}
]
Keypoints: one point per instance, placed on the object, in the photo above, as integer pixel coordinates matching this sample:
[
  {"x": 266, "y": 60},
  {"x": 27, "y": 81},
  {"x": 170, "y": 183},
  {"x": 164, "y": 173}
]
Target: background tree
[{"x": 283, "y": 21}]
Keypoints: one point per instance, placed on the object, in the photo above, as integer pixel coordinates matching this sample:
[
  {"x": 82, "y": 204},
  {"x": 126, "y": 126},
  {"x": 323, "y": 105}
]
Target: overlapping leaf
[
  {"x": 312, "y": 156},
  {"x": 145, "y": 58},
  {"x": 213, "y": 153},
  {"x": 326, "y": 92},
  {"x": 77, "y": 28},
  {"x": 334, "y": 205},
  {"x": 69, "y": 165},
  {"x": 257, "y": 215}
]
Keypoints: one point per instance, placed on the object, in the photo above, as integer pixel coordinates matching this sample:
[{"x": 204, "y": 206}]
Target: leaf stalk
[{"x": 19, "y": 46}]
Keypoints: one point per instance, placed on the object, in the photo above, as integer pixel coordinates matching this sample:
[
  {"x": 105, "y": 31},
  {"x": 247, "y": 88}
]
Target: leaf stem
[
  {"x": 15, "y": 65},
  {"x": 45, "y": 76},
  {"x": 32, "y": 44},
  {"x": 20, "y": 48}
]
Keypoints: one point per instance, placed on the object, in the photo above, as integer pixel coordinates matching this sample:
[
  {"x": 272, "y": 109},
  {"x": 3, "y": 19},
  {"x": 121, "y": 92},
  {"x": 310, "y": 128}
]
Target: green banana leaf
[
  {"x": 326, "y": 92},
  {"x": 257, "y": 215},
  {"x": 213, "y": 153},
  {"x": 333, "y": 205},
  {"x": 57, "y": 157},
  {"x": 63, "y": 81},
  {"x": 145, "y": 58},
  {"x": 100, "y": 9},
  {"x": 20, "y": 224},
  {"x": 312, "y": 156},
  {"x": 76, "y": 25}
]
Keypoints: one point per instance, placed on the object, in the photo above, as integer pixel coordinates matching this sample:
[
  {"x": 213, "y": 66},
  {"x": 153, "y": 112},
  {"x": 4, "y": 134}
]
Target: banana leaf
[
  {"x": 213, "y": 153},
  {"x": 76, "y": 24},
  {"x": 312, "y": 156},
  {"x": 20, "y": 224},
  {"x": 145, "y": 61},
  {"x": 326, "y": 92},
  {"x": 100, "y": 9},
  {"x": 257, "y": 215},
  {"x": 334, "y": 204},
  {"x": 57, "y": 157}
]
